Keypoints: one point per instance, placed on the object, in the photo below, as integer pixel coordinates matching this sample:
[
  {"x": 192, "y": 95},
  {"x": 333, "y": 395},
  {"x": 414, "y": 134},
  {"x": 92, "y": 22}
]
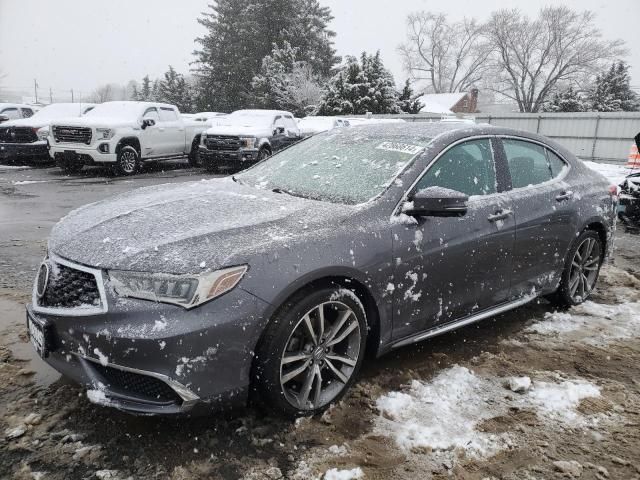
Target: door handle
[
  {"x": 564, "y": 196},
  {"x": 500, "y": 215}
]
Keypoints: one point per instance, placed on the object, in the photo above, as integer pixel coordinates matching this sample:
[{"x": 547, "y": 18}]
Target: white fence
[{"x": 605, "y": 137}]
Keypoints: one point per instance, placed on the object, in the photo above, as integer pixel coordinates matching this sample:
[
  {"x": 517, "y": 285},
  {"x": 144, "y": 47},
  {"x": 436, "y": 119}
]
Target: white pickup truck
[{"x": 124, "y": 135}]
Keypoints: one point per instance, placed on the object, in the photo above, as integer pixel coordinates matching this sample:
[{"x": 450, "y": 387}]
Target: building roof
[{"x": 440, "y": 102}]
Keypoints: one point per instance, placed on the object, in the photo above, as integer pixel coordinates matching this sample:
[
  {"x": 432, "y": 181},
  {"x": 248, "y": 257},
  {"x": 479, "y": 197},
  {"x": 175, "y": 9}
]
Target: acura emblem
[{"x": 43, "y": 279}]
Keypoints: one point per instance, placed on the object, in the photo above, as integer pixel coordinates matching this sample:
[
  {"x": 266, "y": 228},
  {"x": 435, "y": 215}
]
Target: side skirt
[{"x": 505, "y": 307}]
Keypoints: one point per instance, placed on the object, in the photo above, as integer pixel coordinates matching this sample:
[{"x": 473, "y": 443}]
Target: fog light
[{"x": 103, "y": 148}]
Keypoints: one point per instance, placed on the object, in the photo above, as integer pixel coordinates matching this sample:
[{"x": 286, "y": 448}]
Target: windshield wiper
[{"x": 288, "y": 192}]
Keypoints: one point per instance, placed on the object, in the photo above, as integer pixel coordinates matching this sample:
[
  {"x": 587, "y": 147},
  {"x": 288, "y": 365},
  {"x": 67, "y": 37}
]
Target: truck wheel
[
  {"x": 263, "y": 153},
  {"x": 128, "y": 162},
  {"x": 194, "y": 154}
]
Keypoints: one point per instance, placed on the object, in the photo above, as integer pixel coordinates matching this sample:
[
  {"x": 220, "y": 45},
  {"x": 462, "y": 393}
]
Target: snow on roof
[
  {"x": 440, "y": 102},
  {"x": 256, "y": 112}
]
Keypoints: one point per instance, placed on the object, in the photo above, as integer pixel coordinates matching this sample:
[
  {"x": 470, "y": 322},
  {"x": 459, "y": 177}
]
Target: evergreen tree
[
  {"x": 241, "y": 33},
  {"x": 568, "y": 100},
  {"x": 360, "y": 87},
  {"x": 145, "y": 92},
  {"x": 407, "y": 101},
  {"x": 174, "y": 89},
  {"x": 612, "y": 91}
]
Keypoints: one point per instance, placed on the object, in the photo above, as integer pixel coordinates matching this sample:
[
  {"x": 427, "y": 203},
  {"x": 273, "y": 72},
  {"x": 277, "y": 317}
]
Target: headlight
[
  {"x": 105, "y": 133},
  {"x": 248, "y": 142},
  {"x": 43, "y": 133},
  {"x": 187, "y": 291}
]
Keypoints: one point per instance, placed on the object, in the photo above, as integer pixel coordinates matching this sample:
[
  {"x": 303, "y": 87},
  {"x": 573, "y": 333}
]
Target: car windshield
[
  {"x": 121, "y": 110},
  {"x": 246, "y": 119},
  {"x": 349, "y": 166},
  {"x": 59, "y": 110}
]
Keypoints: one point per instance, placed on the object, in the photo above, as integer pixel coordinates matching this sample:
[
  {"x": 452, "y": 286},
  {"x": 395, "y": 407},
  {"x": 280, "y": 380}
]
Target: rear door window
[
  {"x": 10, "y": 113},
  {"x": 467, "y": 167},
  {"x": 528, "y": 163},
  {"x": 27, "y": 112}
]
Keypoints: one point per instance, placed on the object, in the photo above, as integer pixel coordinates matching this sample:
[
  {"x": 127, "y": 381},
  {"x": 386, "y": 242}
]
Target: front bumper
[
  {"x": 84, "y": 154},
  {"x": 227, "y": 159},
  {"x": 151, "y": 358},
  {"x": 10, "y": 151}
]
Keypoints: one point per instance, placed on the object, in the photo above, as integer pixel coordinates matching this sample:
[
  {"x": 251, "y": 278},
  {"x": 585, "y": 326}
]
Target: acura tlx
[{"x": 271, "y": 285}]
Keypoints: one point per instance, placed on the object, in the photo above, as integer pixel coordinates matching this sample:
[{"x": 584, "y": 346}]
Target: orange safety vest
[{"x": 634, "y": 157}]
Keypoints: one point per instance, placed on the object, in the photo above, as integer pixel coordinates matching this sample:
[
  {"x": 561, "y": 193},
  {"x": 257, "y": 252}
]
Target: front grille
[
  {"x": 70, "y": 288},
  {"x": 222, "y": 142},
  {"x": 72, "y": 134},
  {"x": 17, "y": 135},
  {"x": 138, "y": 385}
]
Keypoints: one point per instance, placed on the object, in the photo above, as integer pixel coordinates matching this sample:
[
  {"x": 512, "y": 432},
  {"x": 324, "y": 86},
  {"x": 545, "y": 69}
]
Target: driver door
[
  {"x": 151, "y": 137},
  {"x": 447, "y": 268}
]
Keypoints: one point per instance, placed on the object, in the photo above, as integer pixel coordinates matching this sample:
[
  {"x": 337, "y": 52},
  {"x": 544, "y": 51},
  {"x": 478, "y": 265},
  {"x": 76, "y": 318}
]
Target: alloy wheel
[
  {"x": 584, "y": 269},
  {"x": 320, "y": 355},
  {"x": 128, "y": 161}
]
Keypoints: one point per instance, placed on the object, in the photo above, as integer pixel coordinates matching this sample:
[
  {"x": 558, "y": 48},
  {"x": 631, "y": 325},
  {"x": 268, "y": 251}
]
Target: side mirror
[
  {"x": 279, "y": 130},
  {"x": 148, "y": 122},
  {"x": 436, "y": 202}
]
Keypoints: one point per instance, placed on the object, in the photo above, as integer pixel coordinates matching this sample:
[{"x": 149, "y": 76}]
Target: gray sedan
[{"x": 272, "y": 285}]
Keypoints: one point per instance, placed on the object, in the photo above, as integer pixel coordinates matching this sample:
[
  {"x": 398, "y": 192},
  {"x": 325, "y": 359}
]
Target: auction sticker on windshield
[{"x": 400, "y": 147}]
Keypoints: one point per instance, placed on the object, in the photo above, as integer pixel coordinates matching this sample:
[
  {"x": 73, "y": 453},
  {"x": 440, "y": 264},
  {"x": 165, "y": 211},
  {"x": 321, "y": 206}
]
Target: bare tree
[
  {"x": 450, "y": 56},
  {"x": 531, "y": 57},
  {"x": 103, "y": 93}
]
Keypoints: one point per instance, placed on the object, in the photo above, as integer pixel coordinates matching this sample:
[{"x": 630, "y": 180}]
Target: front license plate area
[
  {"x": 39, "y": 334},
  {"x": 70, "y": 156}
]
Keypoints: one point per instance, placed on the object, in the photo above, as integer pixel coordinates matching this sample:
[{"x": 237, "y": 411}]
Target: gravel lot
[{"x": 440, "y": 409}]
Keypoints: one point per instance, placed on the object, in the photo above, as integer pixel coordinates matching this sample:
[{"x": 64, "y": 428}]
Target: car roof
[
  {"x": 143, "y": 104},
  {"x": 263, "y": 112}
]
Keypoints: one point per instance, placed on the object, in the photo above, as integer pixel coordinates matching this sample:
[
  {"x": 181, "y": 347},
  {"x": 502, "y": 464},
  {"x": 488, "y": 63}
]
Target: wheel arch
[
  {"x": 344, "y": 278},
  {"x": 131, "y": 142},
  {"x": 598, "y": 225}
]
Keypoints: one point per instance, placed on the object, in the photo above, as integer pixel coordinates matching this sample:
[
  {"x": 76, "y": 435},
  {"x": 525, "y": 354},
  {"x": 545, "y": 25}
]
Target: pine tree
[
  {"x": 145, "y": 92},
  {"x": 174, "y": 89},
  {"x": 361, "y": 87},
  {"x": 568, "y": 100},
  {"x": 407, "y": 101},
  {"x": 612, "y": 91},
  {"x": 241, "y": 33}
]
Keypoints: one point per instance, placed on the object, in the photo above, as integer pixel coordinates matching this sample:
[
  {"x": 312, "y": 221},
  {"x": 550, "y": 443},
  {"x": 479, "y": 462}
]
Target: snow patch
[{"x": 335, "y": 474}]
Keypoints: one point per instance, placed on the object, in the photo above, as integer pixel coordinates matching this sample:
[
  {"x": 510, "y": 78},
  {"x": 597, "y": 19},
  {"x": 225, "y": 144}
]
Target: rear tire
[
  {"x": 581, "y": 270},
  {"x": 128, "y": 162},
  {"x": 310, "y": 352}
]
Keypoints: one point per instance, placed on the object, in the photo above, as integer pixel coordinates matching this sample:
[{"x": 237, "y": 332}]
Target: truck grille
[
  {"x": 69, "y": 288},
  {"x": 72, "y": 134},
  {"x": 17, "y": 135},
  {"x": 138, "y": 385},
  {"x": 222, "y": 142}
]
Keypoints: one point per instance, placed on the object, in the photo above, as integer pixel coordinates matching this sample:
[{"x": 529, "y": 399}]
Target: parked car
[
  {"x": 245, "y": 137},
  {"x": 312, "y": 125},
  {"x": 15, "y": 111},
  {"x": 124, "y": 135},
  {"x": 273, "y": 283},
  {"x": 27, "y": 137},
  {"x": 208, "y": 116}
]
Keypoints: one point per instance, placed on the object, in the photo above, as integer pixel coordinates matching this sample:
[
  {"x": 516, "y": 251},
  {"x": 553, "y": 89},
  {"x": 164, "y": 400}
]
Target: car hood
[
  {"x": 106, "y": 122},
  {"x": 189, "y": 227},
  {"x": 248, "y": 130},
  {"x": 26, "y": 122}
]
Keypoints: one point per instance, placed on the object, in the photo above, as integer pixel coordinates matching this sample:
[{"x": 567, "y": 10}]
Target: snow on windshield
[
  {"x": 59, "y": 110},
  {"x": 341, "y": 166},
  {"x": 122, "y": 110}
]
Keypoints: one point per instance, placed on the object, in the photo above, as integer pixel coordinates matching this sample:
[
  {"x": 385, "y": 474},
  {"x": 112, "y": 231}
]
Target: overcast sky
[{"x": 80, "y": 44}]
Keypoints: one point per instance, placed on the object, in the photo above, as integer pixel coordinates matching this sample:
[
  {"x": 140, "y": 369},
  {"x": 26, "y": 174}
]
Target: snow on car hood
[
  {"x": 248, "y": 130},
  {"x": 26, "y": 122},
  {"x": 188, "y": 227},
  {"x": 107, "y": 122}
]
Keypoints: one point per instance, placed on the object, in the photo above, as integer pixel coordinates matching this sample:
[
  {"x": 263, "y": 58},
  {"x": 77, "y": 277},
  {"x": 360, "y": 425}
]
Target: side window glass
[
  {"x": 152, "y": 113},
  {"x": 467, "y": 168},
  {"x": 11, "y": 113},
  {"x": 527, "y": 161},
  {"x": 278, "y": 123},
  {"x": 168, "y": 115},
  {"x": 27, "y": 112},
  {"x": 556, "y": 164}
]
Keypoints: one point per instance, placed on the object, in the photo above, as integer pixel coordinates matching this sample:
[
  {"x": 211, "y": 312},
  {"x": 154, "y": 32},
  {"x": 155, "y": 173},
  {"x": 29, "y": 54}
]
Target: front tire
[
  {"x": 128, "y": 161},
  {"x": 263, "y": 154},
  {"x": 194, "y": 154},
  {"x": 310, "y": 352},
  {"x": 581, "y": 270}
]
